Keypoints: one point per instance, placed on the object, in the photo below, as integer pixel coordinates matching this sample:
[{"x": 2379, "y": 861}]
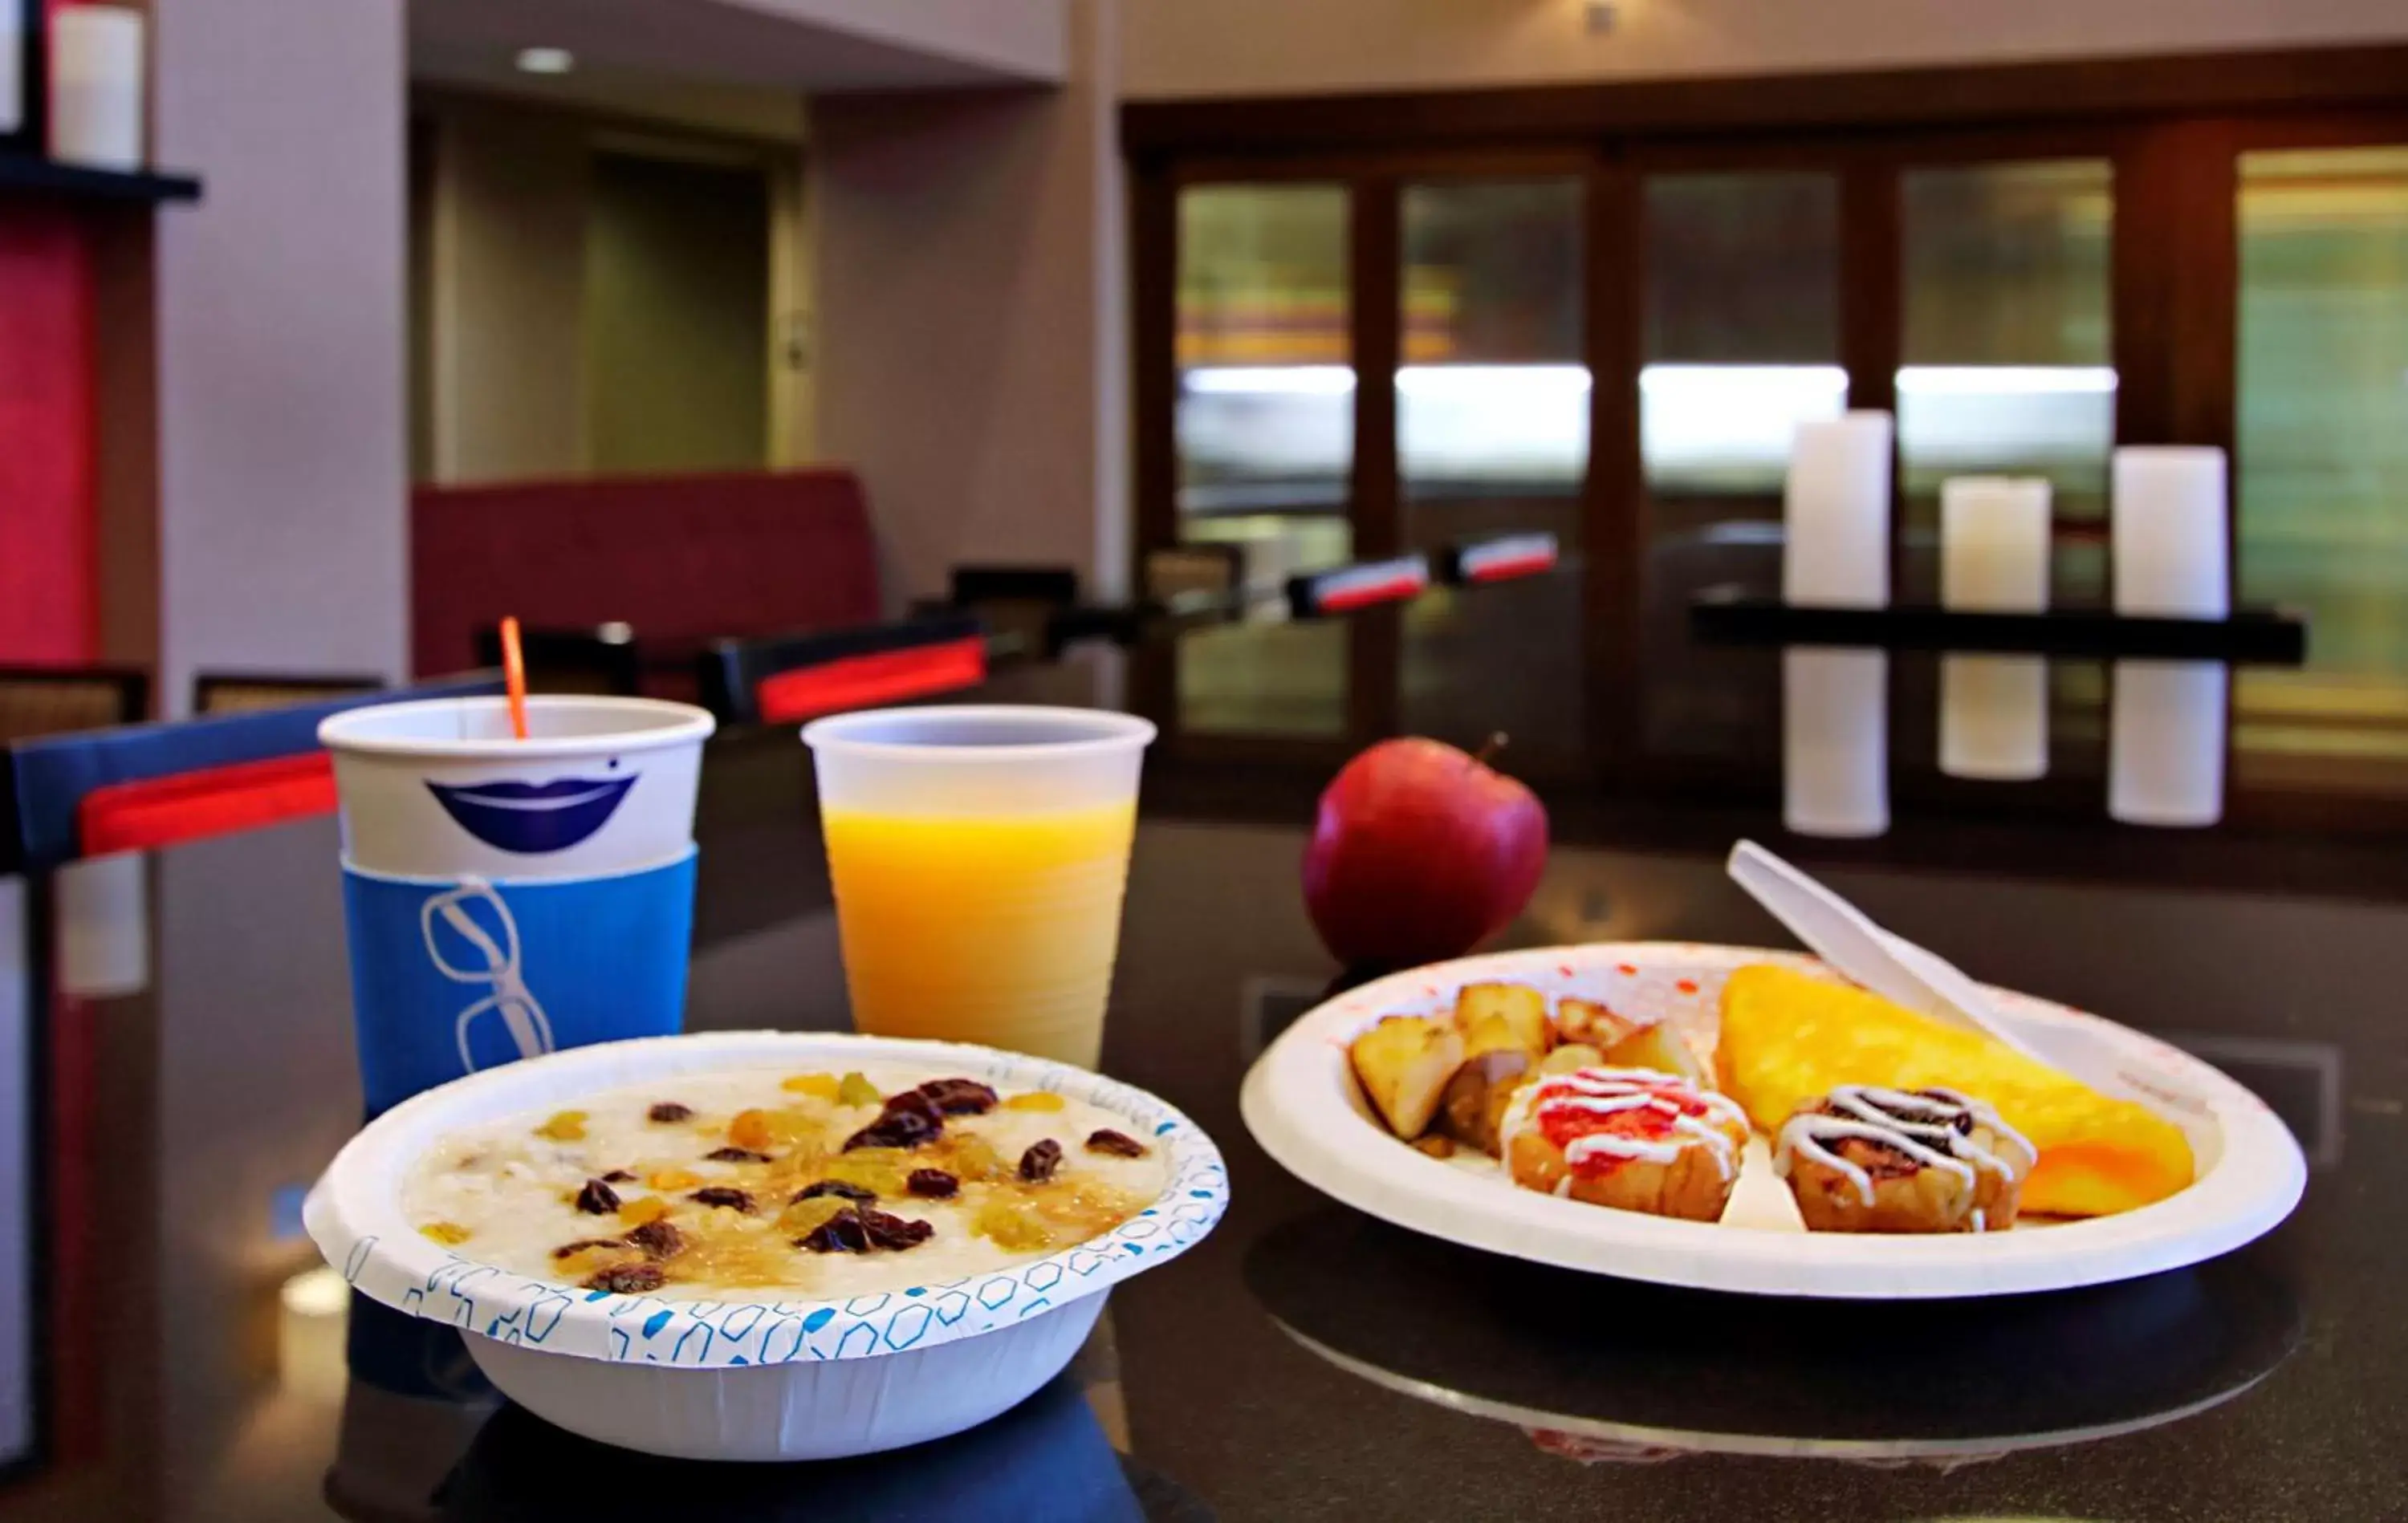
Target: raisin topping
[
  {"x": 841, "y": 1233},
  {"x": 725, "y": 1195},
  {"x": 627, "y": 1279},
  {"x": 891, "y": 1232},
  {"x": 736, "y": 1155},
  {"x": 932, "y": 1184},
  {"x": 1119, "y": 1144},
  {"x": 669, "y": 1112},
  {"x": 958, "y": 1097},
  {"x": 584, "y": 1243},
  {"x": 1040, "y": 1160},
  {"x": 658, "y": 1239},
  {"x": 617, "y": 1177},
  {"x": 906, "y": 1126},
  {"x": 845, "y": 1188},
  {"x": 858, "y": 1228},
  {"x": 912, "y": 1101},
  {"x": 598, "y": 1198}
]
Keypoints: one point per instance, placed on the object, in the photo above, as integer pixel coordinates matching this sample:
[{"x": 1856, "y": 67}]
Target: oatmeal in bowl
[{"x": 767, "y": 1245}]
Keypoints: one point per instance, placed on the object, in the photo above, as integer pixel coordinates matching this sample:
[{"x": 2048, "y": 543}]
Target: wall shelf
[
  {"x": 2251, "y": 637},
  {"x": 31, "y": 174}
]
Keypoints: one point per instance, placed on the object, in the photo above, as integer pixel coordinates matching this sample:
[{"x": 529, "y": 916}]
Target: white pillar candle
[
  {"x": 104, "y": 927},
  {"x": 96, "y": 86},
  {"x": 2171, "y": 541},
  {"x": 1835, "y": 550},
  {"x": 1835, "y": 741},
  {"x": 1994, "y": 544},
  {"x": 2172, "y": 544}
]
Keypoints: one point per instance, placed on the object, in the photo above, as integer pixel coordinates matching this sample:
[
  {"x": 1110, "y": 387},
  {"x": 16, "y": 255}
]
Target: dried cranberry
[
  {"x": 959, "y": 1097},
  {"x": 723, "y": 1195},
  {"x": 907, "y": 1127},
  {"x": 844, "y": 1187},
  {"x": 1040, "y": 1160},
  {"x": 658, "y": 1239},
  {"x": 736, "y": 1155},
  {"x": 584, "y": 1243},
  {"x": 841, "y": 1233},
  {"x": 1118, "y": 1144},
  {"x": 628, "y": 1279},
  {"x": 935, "y": 1184},
  {"x": 889, "y": 1231},
  {"x": 598, "y": 1198},
  {"x": 670, "y": 1111},
  {"x": 617, "y": 1177}
]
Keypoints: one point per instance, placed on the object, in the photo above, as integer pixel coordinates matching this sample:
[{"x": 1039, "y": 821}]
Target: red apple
[{"x": 1420, "y": 852}]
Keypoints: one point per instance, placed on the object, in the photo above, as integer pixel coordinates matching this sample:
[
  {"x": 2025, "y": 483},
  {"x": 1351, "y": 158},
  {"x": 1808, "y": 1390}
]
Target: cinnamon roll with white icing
[{"x": 1869, "y": 1159}]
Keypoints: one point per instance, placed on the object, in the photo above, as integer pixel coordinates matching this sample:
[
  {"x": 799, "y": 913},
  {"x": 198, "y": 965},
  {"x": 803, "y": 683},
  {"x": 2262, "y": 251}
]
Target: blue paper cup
[{"x": 450, "y": 975}]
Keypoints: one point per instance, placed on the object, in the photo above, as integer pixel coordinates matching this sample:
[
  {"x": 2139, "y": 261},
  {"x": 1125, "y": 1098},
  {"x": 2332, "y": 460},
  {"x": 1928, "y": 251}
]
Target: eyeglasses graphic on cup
[{"x": 529, "y": 1028}]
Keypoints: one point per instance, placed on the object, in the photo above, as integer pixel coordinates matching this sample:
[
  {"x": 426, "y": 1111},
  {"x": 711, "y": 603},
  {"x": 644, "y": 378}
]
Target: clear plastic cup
[{"x": 980, "y": 855}]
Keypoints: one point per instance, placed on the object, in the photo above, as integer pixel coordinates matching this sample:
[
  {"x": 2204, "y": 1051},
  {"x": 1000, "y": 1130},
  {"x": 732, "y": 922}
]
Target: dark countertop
[{"x": 1305, "y": 1362}]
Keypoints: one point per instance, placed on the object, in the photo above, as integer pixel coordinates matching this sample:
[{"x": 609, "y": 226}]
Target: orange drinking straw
[{"x": 514, "y": 675}]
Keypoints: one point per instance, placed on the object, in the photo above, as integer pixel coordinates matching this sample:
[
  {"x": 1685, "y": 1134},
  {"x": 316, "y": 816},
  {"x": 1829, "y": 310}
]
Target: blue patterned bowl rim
[{"x": 354, "y": 1216}]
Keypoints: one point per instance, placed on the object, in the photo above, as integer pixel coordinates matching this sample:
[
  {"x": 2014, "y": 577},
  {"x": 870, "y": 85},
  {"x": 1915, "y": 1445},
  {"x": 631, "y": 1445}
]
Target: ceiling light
[{"x": 546, "y": 60}]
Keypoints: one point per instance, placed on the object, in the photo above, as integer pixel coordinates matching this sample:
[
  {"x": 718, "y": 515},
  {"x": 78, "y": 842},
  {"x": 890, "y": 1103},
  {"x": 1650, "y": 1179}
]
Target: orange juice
[{"x": 997, "y": 929}]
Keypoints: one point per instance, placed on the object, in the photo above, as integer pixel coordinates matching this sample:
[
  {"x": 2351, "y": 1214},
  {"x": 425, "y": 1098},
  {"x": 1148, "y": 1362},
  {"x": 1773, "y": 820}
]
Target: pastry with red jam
[
  {"x": 1868, "y": 1159},
  {"x": 1636, "y": 1139}
]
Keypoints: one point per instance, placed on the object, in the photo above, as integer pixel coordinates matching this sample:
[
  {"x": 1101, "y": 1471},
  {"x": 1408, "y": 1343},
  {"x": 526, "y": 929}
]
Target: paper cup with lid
[{"x": 507, "y": 898}]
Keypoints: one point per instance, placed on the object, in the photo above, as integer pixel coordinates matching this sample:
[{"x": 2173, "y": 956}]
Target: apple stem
[{"x": 1488, "y": 750}]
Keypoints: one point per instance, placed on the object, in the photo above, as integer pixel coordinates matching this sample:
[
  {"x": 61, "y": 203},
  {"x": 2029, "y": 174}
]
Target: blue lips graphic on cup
[{"x": 533, "y": 818}]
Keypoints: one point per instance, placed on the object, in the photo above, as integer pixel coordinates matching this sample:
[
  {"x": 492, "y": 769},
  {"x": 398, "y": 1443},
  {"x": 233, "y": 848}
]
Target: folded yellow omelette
[{"x": 1788, "y": 1037}]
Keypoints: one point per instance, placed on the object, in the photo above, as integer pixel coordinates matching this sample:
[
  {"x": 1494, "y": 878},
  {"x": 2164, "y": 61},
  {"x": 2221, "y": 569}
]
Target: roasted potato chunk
[
  {"x": 1573, "y": 1055},
  {"x": 1659, "y": 1048},
  {"x": 1477, "y": 1096},
  {"x": 1522, "y": 1009},
  {"x": 1403, "y": 1065},
  {"x": 1586, "y": 1020}
]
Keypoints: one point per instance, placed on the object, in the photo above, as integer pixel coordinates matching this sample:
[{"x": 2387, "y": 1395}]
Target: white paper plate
[
  {"x": 1303, "y": 1106},
  {"x": 753, "y": 1379}
]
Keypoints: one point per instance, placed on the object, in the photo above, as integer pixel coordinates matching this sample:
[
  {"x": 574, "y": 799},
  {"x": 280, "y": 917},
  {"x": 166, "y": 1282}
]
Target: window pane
[
  {"x": 2323, "y": 460},
  {"x": 1492, "y": 417},
  {"x": 1264, "y": 424},
  {"x": 1741, "y": 343},
  {"x": 2007, "y": 368}
]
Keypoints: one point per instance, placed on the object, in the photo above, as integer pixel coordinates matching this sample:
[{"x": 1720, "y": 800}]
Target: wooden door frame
[{"x": 2172, "y": 128}]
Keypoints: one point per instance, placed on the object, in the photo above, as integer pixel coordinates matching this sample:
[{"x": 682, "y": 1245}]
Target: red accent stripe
[
  {"x": 1391, "y": 590},
  {"x": 1519, "y": 565},
  {"x": 215, "y": 800},
  {"x": 884, "y": 677}
]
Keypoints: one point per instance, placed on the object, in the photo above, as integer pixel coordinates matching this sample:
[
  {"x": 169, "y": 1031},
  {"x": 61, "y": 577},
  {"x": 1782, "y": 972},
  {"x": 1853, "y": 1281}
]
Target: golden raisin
[
  {"x": 751, "y": 1129},
  {"x": 1011, "y": 1226},
  {"x": 972, "y": 1157},
  {"x": 803, "y": 1215},
  {"x": 880, "y": 1168},
  {"x": 643, "y": 1209},
  {"x": 817, "y": 1086},
  {"x": 673, "y": 1179},
  {"x": 856, "y": 1090},
  {"x": 450, "y": 1233},
  {"x": 1035, "y": 1100},
  {"x": 565, "y": 1125}
]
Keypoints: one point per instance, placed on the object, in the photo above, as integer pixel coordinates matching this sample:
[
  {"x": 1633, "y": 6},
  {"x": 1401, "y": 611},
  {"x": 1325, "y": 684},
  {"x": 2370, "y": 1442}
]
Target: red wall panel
[{"x": 48, "y": 609}]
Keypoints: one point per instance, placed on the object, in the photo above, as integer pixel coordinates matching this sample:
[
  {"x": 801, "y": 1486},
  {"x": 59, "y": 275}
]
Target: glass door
[
  {"x": 1264, "y": 423},
  {"x": 1492, "y": 438}
]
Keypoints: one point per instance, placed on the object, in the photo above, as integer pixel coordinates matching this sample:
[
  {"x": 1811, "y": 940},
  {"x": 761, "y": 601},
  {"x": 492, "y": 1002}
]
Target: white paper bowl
[{"x": 754, "y": 1380}]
